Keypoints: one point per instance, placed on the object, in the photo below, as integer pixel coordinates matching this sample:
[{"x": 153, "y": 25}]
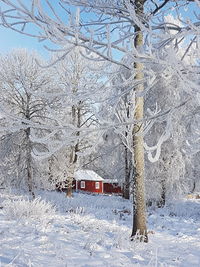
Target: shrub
[{"x": 36, "y": 209}]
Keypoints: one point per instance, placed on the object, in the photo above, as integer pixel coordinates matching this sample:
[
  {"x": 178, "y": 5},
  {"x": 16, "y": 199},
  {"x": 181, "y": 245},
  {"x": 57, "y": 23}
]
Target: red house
[
  {"x": 111, "y": 187},
  {"x": 90, "y": 181}
]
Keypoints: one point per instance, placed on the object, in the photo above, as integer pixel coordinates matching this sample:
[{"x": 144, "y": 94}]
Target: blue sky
[{"x": 11, "y": 39}]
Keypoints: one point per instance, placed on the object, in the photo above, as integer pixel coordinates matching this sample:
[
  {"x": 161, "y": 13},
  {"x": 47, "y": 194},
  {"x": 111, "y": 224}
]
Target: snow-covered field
[{"x": 91, "y": 230}]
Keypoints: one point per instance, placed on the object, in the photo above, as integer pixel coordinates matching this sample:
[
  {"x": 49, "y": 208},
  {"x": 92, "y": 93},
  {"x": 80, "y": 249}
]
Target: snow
[
  {"x": 94, "y": 230},
  {"x": 111, "y": 181},
  {"x": 88, "y": 175}
]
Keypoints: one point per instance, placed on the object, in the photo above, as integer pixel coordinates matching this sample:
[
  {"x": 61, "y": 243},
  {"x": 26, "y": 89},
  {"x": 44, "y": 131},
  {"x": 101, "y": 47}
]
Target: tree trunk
[
  {"x": 194, "y": 186},
  {"x": 161, "y": 203},
  {"x": 76, "y": 117},
  {"x": 50, "y": 172},
  {"x": 128, "y": 165},
  {"x": 126, "y": 193},
  {"x": 29, "y": 163},
  {"x": 139, "y": 217},
  {"x": 69, "y": 187}
]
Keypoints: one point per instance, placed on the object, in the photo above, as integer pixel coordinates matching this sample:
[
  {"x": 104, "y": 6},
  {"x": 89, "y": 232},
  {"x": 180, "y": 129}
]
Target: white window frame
[
  {"x": 82, "y": 184},
  {"x": 97, "y": 185}
]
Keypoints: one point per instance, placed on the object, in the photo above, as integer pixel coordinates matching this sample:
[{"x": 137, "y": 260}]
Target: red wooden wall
[
  {"x": 107, "y": 188},
  {"x": 90, "y": 186},
  {"x": 110, "y": 188}
]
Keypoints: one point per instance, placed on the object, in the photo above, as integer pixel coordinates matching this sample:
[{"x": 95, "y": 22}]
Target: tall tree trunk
[
  {"x": 69, "y": 187},
  {"x": 29, "y": 163},
  {"x": 126, "y": 193},
  {"x": 194, "y": 186},
  {"x": 50, "y": 172},
  {"x": 162, "y": 201},
  {"x": 76, "y": 116},
  {"x": 29, "y": 147},
  {"x": 139, "y": 217},
  {"x": 70, "y": 172},
  {"x": 128, "y": 165}
]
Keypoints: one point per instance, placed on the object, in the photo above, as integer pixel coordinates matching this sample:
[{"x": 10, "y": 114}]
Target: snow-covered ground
[{"x": 91, "y": 230}]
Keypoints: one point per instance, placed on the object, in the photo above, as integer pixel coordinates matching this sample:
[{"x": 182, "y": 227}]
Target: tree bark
[
  {"x": 76, "y": 116},
  {"x": 69, "y": 187},
  {"x": 126, "y": 193},
  {"x": 161, "y": 203},
  {"x": 29, "y": 163},
  {"x": 139, "y": 217}
]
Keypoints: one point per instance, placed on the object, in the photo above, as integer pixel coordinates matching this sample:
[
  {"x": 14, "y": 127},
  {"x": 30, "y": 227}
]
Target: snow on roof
[
  {"x": 87, "y": 175},
  {"x": 111, "y": 181}
]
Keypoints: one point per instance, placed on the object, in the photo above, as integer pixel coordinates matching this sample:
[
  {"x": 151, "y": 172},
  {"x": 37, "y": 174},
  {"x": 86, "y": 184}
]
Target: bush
[
  {"x": 186, "y": 209},
  {"x": 36, "y": 209}
]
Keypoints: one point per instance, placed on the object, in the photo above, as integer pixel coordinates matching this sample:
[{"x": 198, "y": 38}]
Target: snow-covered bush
[
  {"x": 185, "y": 209},
  {"x": 36, "y": 209},
  {"x": 107, "y": 207}
]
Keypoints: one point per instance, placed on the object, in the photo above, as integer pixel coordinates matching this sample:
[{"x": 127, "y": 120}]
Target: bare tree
[
  {"x": 21, "y": 82},
  {"x": 76, "y": 83}
]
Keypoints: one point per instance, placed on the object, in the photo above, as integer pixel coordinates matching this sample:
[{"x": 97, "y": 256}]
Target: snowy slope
[{"x": 90, "y": 230}]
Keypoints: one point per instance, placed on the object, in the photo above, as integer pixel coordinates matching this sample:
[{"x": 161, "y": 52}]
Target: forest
[{"x": 118, "y": 94}]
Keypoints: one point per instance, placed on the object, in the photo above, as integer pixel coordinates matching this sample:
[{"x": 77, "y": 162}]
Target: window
[
  {"x": 82, "y": 184},
  {"x": 97, "y": 185}
]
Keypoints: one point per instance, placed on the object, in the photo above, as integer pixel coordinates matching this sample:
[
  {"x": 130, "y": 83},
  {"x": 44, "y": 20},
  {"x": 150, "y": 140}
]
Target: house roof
[
  {"x": 111, "y": 181},
  {"x": 88, "y": 175}
]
